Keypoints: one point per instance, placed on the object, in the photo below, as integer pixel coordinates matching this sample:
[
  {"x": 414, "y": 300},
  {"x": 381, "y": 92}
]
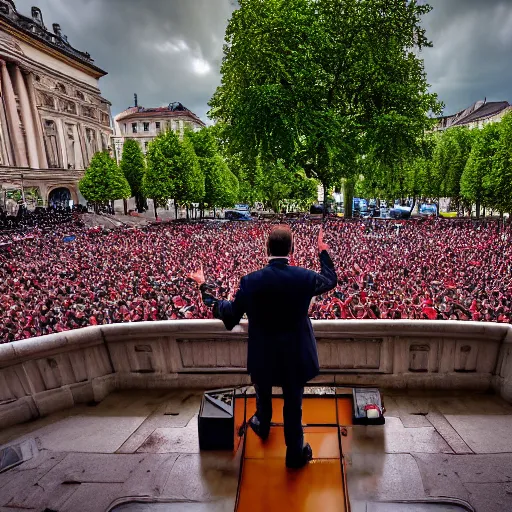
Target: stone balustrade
[{"x": 43, "y": 375}]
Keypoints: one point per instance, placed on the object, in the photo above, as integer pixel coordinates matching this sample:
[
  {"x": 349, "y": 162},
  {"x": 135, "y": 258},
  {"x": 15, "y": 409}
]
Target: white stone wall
[{"x": 43, "y": 375}]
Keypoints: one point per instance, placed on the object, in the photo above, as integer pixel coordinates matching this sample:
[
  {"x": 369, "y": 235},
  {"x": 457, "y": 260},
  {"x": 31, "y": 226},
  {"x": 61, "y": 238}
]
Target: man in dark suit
[{"x": 281, "y": 344}]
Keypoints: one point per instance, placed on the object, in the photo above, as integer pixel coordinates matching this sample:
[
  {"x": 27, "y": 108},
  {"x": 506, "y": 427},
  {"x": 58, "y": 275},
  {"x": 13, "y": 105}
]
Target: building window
[
  {"x": 134, "y": 127},
  {"x": 89, "y": 112},
  {"x": 60, "y": 87},
  {"x": 146, "y": 145},
  {"x": 146, "y": 127},
  {"x": 158, "y": 125}
]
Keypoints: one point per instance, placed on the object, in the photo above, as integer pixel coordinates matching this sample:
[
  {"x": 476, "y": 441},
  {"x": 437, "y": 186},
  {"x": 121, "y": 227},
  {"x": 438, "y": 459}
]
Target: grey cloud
[
  {"x": 470, "y": 59},
  {"x": 164, "y": 50},
  {"x": 158, "y": 48}
]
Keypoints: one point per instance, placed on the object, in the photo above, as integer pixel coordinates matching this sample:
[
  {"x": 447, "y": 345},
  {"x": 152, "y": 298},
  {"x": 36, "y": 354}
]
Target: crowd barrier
[{"x": 43, "y": 375}]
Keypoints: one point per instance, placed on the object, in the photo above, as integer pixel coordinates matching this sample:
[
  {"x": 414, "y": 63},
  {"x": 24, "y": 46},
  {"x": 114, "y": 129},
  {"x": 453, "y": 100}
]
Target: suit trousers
[{"x": 292, "y": 414}]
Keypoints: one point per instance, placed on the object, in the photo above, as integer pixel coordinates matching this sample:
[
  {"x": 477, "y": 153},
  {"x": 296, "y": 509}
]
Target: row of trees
[
  {"x": 193, "y": 169},
  {"x": 190, "y": 170},
  {"x": 473, "y": 168}
]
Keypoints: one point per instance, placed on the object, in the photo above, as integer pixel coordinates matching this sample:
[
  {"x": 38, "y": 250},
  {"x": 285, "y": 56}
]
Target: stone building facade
[
  {"x": 144, "y": 124},
  {"x": 53, "y": 118}
]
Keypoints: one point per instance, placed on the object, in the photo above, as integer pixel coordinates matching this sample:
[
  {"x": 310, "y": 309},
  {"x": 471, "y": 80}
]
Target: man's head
[{"x": 280, "y": 241}]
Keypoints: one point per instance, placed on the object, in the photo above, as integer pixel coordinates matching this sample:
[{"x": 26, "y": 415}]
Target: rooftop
[
  {"x": 143, "y": 446},
  {"x": 36, "y": 30},
  {"x": 175, "y": 109},
  {"x": 477, "y": 112}
]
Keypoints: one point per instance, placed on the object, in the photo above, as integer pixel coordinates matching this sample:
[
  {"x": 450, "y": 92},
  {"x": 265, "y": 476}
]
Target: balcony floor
[{"x": 143, "y": 444}]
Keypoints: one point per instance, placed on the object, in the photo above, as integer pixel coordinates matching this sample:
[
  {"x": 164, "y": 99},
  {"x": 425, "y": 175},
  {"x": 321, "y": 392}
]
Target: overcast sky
[{"x": 171, "y": 50}]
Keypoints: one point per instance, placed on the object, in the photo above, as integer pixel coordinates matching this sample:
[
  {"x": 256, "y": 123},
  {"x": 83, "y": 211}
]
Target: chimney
[{"x": 136, "y": 100}]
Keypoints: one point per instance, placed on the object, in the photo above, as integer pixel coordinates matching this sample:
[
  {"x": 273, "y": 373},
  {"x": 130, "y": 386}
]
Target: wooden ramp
[{"x": 266, "y": 484}]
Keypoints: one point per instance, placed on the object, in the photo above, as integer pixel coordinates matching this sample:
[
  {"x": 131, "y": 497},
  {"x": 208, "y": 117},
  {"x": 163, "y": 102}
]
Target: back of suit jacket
[{"x": 281, "y": 343}]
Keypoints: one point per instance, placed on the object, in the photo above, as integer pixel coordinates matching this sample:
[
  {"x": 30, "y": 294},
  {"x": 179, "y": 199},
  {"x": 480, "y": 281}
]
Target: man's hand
[
  {"x": 322, "y": 246},
  {"x": 198, "y": 276}
]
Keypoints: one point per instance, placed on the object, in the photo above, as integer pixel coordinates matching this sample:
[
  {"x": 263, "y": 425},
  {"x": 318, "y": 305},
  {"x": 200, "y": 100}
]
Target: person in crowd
[{"x": 440, "y": 269}]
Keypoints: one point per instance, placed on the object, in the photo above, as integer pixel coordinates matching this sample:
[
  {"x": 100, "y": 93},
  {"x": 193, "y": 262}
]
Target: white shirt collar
[{"x": 270, "y": 258}]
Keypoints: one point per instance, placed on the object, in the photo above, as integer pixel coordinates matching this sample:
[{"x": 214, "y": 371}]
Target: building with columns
[
  {"x": 144, "y": 124},
  {"x": 53, "y": 118}
]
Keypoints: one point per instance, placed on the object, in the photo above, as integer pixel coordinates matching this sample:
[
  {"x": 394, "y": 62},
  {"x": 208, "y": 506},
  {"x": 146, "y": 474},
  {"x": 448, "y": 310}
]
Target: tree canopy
[
  {"x": 103, "y": 180},
  {"x": 221, "y": 185},
  {"x": 318, "y": 83},
  {"x": 162, "y": 162}
]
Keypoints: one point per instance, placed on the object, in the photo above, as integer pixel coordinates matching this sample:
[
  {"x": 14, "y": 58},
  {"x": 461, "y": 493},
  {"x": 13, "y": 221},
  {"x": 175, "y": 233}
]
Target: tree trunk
[
  {"x": 349, "y": 198},
  {"x": 483, "y": 212},
  {"x": 154, "y": 204},
  {"x": 478, "y": 209},
  {"x": 175, "y": 210},
  {"x": 125, "y": 205},
  {"x": 188, "y": 212},
  {"x": 326, "y": 195},
  {"x": 413, "y": 203}
]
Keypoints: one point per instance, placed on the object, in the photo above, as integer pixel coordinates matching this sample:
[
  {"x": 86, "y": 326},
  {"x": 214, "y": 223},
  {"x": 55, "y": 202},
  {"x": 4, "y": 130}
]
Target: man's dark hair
[{"x": 280, "y": 241}]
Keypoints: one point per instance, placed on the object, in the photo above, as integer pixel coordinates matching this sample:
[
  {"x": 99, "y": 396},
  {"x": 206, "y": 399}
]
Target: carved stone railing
[{"x": 43, "y": 375}]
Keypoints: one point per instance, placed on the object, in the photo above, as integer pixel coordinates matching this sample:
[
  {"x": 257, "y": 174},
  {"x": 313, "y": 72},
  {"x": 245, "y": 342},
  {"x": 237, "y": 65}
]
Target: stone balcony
[{"x": 108, "y": 414}]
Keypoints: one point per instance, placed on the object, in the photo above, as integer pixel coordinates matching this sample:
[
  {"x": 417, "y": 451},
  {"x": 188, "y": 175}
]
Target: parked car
[
  {"x": 400, "y": 212},
  {"x": 237, "y": 215},
  {"x": 428, "y": 210}
]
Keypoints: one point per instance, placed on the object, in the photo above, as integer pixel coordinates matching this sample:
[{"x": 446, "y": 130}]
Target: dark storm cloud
[
  {"x": 170, "y": 50},
  {"x": 165, "y": 50},
  {"x": 470, "y": 60}
]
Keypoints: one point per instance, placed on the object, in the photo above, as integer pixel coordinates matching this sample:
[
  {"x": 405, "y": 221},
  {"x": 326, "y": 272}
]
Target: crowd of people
[
  {"x": 66, "y": 276},
  {"x": 39, "y": 218}
]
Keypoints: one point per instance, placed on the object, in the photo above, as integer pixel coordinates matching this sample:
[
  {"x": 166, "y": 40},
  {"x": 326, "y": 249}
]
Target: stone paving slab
[
  {"x": 218, "y": 506},
  {"x": 488, "y": 497},
  {"x": 395, "y": 438},
  {"x": 144, "y": 444},
  {"x": 484, "y": 434},
  {"x": 203, "y": 477},
  {"x": 171, "y": 440},
  {"x": 389, "y": 477}
]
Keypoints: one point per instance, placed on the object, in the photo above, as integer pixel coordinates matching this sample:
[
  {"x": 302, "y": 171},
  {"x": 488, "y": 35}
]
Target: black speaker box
[{"x": 216, "y": 422}]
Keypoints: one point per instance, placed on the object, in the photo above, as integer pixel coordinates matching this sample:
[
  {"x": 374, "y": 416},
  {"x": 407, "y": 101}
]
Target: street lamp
[{"x": 22, "y": 190}]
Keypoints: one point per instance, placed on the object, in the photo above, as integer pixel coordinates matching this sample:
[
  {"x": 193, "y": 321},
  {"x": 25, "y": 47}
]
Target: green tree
[
  {"x": 103, "y": 181},
  {"x": 188, "y": 179},
  {"x": 499, "y": 183},
  {"x": 276, "y": 183},
  {"x": 474, "y": 180},
  {"x": 449, "y": 160},
  {"x": 163, "y": 160},
  {"x": 133, "y": 167},
  {"x": 318, "y": 83},
  {"x": 221, "y": 185}
]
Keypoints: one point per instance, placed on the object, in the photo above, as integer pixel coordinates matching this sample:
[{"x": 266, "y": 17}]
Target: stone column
[
  {"x": 18, "y": 143},
  {"x": 7, "y": 154},
  {"x": 62, "y": 139},
  {"x": 27, "y": 119},
  {"x": 41, "y": 151}
]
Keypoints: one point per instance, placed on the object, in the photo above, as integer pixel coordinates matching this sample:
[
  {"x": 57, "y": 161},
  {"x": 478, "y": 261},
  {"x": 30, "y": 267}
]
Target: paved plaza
[{"x": 144, "y": 445}]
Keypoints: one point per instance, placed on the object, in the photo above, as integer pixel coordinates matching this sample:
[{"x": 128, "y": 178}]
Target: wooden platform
[{"x": 266, "y": 484}]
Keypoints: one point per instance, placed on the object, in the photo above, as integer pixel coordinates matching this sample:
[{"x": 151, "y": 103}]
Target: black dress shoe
[
  {"x": 301, "y": 460},
  {"x": 256, "y": 426}
]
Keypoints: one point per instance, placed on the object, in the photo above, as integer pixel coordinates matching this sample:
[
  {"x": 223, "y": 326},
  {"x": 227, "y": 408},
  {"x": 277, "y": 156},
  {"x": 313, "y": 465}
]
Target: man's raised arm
[
  {"x": 327, "y": 279},
  {"x": 230, "y": 312}
]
